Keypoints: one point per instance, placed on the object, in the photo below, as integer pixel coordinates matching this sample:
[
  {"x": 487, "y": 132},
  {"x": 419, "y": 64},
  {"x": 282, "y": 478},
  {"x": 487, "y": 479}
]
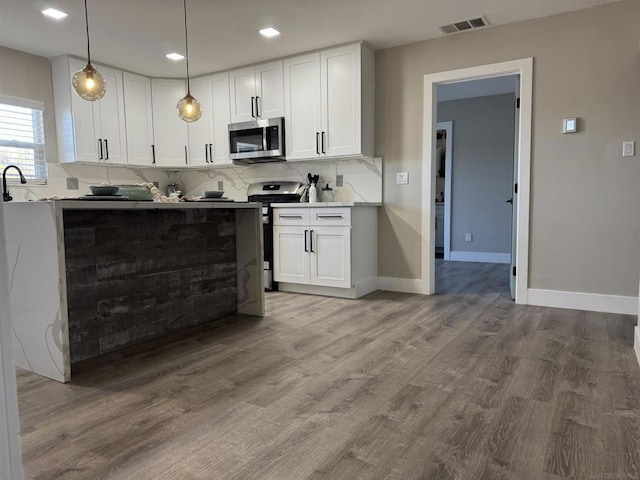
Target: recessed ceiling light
[
  {"x": 175, "y": 56},
  {"x": 53, "y": 13},
  {"x": 269, "y": 32}
]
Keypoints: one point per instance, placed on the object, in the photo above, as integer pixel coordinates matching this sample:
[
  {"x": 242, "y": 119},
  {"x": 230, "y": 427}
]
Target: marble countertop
[
  {"x": 325, "y": 204},
  {"x": 132, "y": 205}
]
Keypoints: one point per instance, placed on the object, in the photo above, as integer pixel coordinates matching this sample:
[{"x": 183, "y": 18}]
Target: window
[{"x": 22, "y": 139}]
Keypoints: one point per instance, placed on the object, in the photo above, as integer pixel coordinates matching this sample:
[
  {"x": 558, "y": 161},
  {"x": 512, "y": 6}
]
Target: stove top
[{"x": 275, "y": 192}]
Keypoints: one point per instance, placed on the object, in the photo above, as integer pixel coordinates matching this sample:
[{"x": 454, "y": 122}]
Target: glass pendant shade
[
  {"x": 89, "y": 84},
  {"x": 189, "y": 108}
]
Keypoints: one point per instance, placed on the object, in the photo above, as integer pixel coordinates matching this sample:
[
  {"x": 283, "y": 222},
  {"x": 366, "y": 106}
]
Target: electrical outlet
[
  {"x": 339, "y": 181},
  {"x": 220, "y": 185},
  {"x": 72, "y": 183},
  {"x": 629, "y": 149},
  {"x": 402, "y": 178},
  {"x": 155, "y": 184},
  {"x": 469, "y": 237}
]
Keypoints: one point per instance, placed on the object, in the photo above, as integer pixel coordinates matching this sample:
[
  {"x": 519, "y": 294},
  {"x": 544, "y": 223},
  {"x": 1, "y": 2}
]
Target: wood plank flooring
[{"x": 463, "y": 385}]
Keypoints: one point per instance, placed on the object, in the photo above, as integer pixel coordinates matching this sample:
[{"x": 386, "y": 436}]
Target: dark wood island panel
[{"x": 134, "y": 275}]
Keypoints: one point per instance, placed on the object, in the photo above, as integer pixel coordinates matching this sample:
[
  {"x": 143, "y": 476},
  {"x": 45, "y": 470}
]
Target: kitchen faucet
[{"x": 5, "y": 192}]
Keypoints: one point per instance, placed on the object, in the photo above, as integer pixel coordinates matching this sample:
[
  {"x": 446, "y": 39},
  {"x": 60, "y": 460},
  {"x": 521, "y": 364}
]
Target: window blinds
[{"x": 22, "y": 139}]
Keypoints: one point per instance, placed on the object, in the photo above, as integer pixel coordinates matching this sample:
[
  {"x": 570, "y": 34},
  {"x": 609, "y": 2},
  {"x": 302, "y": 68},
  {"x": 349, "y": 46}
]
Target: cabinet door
[
  {"x": 290, "y": 260},
  {"x": 341, "y": 100},
  {"x": 221, "y": 119},
  {"x": 110, "y": 117},
  {"x": 303, "y": 118},
  {"x": 330, "y": 256},
  {"x": 269, "y": 90},
  {"x": 242, "y": 85},
  {"x": 201, "y": 131},
  {"x": 85, "y": 139},
  {"x": 139, "y": 119},
  {"x": 169, "y": 131}
]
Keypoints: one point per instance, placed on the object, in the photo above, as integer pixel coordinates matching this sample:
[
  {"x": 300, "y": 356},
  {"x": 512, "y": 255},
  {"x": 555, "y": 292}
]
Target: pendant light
[
  {"x": 188, "y": 107},
  {"x": 88, "y": 83}
]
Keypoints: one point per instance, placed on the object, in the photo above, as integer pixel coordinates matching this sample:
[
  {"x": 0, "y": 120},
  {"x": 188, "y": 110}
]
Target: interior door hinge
[
  {"x": 518, "y": 102},
  {"x": 514, "y": 271}
]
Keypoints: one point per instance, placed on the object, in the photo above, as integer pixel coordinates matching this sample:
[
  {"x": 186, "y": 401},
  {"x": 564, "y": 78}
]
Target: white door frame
[
  {"x": 524, "y": 68},
  {"x": 448, "y": 127}
]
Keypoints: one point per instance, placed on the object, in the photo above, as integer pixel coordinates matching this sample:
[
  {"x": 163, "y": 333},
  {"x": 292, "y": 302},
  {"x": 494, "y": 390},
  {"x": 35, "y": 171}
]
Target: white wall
[{"x": 482, "y": 171}]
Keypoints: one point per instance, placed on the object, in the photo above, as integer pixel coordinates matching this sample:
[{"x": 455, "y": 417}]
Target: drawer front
[
  {"x": 330, "y": 216},
  {"x": 291, "y": 216}
]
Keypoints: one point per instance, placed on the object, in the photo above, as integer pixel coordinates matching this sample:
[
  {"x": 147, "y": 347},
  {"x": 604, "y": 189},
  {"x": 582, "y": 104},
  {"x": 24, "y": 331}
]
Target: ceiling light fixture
[
  {"x": 174, "y": 56},
  {"x": 53, "y": 13},
  {"x": 88, "y": 83},
  {"x": 188, "y": 107},
  {"x": 269, "y": 32}
]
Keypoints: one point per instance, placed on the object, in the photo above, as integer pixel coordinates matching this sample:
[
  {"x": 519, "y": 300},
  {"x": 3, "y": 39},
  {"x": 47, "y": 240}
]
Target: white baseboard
[
  {"x": 636, "y": 343},
  {"x": 583, "y": 301},
  {"x": 482, "y": 257},
  {"x": 361, "y": 288},
  {"x": 404, "y": 285}
]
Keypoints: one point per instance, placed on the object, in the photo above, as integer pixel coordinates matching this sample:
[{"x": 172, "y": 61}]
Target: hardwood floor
[{"x": 460, "y": 385}]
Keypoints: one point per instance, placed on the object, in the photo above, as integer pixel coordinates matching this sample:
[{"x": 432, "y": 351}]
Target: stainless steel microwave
[{"x": 257, "y": 141}]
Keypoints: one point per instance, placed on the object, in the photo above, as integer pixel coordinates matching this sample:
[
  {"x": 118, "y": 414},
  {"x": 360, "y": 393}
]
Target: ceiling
[{"x": 135, "y": 35}]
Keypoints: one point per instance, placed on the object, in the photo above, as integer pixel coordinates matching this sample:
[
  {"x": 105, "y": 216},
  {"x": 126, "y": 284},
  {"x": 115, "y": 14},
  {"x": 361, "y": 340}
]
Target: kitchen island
[{"x": 89, "y": 277}]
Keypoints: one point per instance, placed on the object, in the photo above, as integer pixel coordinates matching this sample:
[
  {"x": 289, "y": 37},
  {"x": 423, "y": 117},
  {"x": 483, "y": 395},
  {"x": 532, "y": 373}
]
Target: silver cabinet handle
[
  {"x": 283, "y": 215},
  {"x": 319, "y": 215}
]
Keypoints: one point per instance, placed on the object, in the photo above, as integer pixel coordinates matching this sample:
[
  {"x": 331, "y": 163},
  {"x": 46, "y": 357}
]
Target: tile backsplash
[{"x": 362, "y": 178}]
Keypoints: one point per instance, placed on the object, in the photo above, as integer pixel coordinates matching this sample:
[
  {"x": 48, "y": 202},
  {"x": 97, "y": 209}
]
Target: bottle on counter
[{"x": 313, "y": 193}]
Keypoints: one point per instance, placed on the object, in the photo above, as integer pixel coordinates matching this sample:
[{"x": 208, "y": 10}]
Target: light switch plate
[
  {"x": 469, "y": 237},
  {"x": 402, "y": 178},
  {"x": 339, "y": 181},
  {"x": 220, "y": 185},
  {"x": 629, "y": 149}
]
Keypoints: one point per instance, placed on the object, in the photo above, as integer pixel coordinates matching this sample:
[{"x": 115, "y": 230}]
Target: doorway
[
  {"x": 474, "y": 177},
  {"x": 524, "y": 69}
]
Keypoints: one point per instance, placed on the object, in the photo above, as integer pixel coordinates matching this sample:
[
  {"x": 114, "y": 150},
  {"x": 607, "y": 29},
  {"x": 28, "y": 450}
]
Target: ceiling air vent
[{"x": 456, "y": 27}]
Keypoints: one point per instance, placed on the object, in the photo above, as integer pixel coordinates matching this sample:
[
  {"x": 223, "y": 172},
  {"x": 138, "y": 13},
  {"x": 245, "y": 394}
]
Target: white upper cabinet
[
  {"x": 303, "y": 116},
  {"x": 329, "y": 103},
  {"x": 256, "y": 92},
  {"x": 139, "y": 119},
  {"x": 169, "y": 131},
  {"x": 92, "y": 132},
  {"x": 208, "y": 137}
]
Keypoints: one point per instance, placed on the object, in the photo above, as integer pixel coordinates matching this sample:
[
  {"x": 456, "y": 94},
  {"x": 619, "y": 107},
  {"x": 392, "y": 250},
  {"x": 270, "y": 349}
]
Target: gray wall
[
  {"x": 585, "y": 199},
  {"x": 482, "y": 171}
]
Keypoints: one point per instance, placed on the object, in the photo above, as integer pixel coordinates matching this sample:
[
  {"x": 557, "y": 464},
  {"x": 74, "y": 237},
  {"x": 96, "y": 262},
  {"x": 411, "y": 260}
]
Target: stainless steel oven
[
  {"x": 268, "y": 193},
  {"x": 257, "y": 141}
]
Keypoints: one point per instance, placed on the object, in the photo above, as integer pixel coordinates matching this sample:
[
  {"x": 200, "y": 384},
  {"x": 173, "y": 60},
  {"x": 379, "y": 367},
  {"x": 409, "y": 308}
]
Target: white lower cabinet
[{"x": 326, "y": 250}]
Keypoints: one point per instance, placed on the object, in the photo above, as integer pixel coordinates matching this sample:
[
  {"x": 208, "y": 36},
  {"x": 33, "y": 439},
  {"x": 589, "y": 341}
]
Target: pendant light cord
[
  {"x": 186, "y": 44},
  {"x": 86, "y": 21}
]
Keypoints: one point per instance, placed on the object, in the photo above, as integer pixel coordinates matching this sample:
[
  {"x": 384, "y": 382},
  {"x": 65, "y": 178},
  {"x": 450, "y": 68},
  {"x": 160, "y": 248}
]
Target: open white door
[{"x": 514, "y": 194}]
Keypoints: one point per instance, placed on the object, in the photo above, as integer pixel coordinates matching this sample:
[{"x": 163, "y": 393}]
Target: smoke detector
[{"x": 473, "y": 23}]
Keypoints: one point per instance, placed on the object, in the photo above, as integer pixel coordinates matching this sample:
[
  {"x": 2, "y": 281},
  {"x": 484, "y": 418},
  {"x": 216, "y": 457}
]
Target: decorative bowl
[
  {"x": 104, "y": 190},
  {"x": 136, "y": 192},
  {"x": 212, "y": 193}
]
